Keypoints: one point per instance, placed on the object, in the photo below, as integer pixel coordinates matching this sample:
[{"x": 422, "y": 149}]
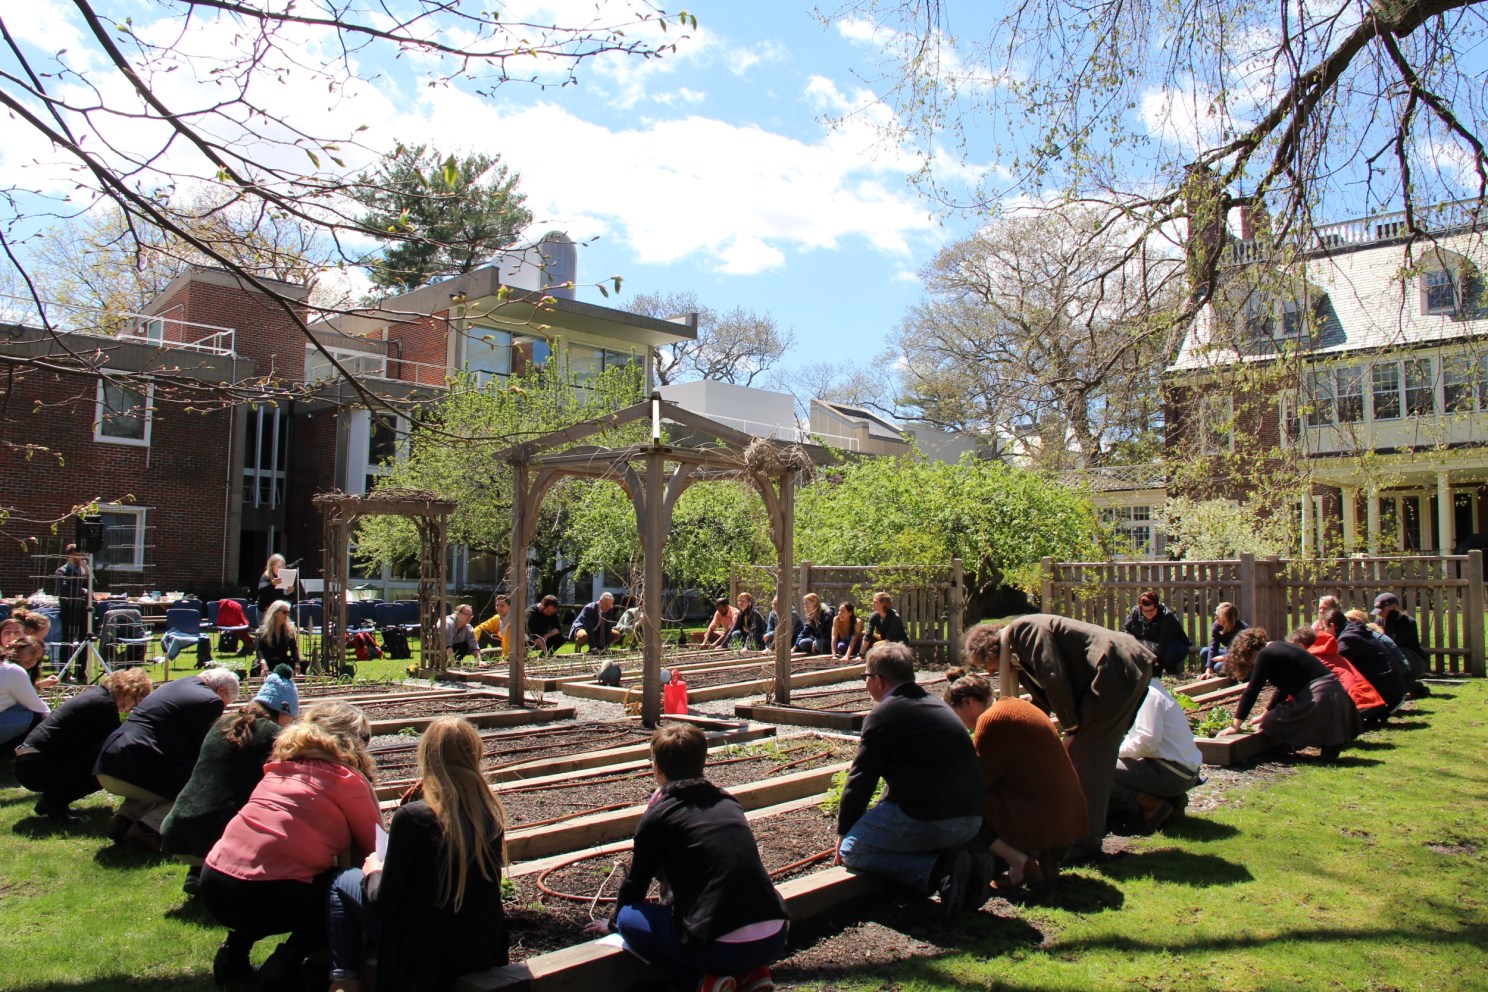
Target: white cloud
[
  {"x": 741, "y": 60},
  {"x": 1191, "y": 119}
]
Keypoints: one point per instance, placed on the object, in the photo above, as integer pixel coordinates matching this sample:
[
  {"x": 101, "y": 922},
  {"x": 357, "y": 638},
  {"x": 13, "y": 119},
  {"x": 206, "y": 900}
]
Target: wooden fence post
[
  {"x": 733, "y": 593},
  {"x": 805, "y": 585},
  {"x": 1247, "y": 594},
  {"x": 1046, "y": 593},
  {"x": 955, "y": 610},
  {"x": 1473, "y": 621}
]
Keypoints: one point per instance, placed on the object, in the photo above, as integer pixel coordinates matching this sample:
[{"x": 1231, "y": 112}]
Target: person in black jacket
[
  {"x": 278, "y": 641},
  {"x": 431, "y": 909},
  {"x": 268, "y": 584},
  {"x": 543, "y": 633},
  {"x": 1160, "y": 632},
  {"x": 1358, "y": 645},
  {"x": 884, "y": 623},
  {"x": 725, "y": 923},
  {"x": 816, "y": 627},
  {"x": 57, "y": 757},
  {"x": 748, "y": 631},
  {"x": 1227, "y": 624},
  {"x": 1400, "y": 627},
  {"x": 933, "y": 796},
  {"x": 72, "y": 595},
  {"x": 148, "y": 760},
  {"x": 772, "y": 623}
]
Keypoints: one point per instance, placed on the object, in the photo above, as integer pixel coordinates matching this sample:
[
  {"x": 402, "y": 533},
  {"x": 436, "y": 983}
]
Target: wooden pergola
[
  {"x": 654, "y": 475},
  {"x": 430, "y": 515}
]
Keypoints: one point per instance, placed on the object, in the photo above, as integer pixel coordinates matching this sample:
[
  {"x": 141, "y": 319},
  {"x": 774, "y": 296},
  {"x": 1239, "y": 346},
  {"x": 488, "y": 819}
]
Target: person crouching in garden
[
  {"x": 229, "y": 767},
  {"x": 58, "y": 756},
  {"x": 726, "y": 923},
  {"x": 431, "y": 910},
  {"x": 271, "y": 870},
  {"x": 1309, "y": 707},
  {"x": 1034, "y": 806},
  {"x": 933, "y": 799},
  {"x": 149, "y": 759},
  {"x": 1158, "y": 762}
]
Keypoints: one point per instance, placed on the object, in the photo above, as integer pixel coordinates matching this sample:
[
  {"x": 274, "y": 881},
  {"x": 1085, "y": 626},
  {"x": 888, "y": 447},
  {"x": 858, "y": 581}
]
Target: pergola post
[
  {"x": 517, "y": 672},
  {"x": 653, "y": 540},
  {"x": 782, "y": 521}
]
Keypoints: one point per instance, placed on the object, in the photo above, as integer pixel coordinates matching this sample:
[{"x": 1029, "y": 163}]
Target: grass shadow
[
  {"x": 126, "y": 857},
  {"x": 1178, "y": 867},
  {"x": 1349, "y": 761},
  {"x": 192, "y": 911},
  {"x": 1073, "y": 890},
  {"x": 1198, "y": 828},
  {"x": 1371, "y": 744},
  {"x": 1402, "y": 726}
]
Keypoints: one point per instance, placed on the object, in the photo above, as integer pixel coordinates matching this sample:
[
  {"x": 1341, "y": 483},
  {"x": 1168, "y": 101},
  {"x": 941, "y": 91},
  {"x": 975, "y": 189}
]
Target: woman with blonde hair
[
  {"x": 268, "y": 584},
  {"x": 278, "y": 641},
  {"x": 273, "y": 866},
  {"x": 816, "y": 627},
  {"x": 432, "y": 911},
  {"x": 57, "y": 757}
]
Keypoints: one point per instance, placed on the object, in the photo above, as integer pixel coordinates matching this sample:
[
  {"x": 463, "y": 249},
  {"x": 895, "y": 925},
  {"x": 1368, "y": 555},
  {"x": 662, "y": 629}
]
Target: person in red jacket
[{"x": 1324, "y": 647}]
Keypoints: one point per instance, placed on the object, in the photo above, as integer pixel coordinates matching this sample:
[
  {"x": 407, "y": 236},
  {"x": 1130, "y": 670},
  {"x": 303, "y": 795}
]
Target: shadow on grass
[
  {"x": 126, "y": 857},
  {"x": 1072, "y": 891},
  {"x": 1179, "y": 867},
  {"x": 191, "y": 911},
  {"x": 1349, "y": 761},
  {"x": 1402, "y": 726},
  {"x": 1371, "y": 744},
  {"x": 112, "y": 983},
  {"x": 1198, "y": 828}
]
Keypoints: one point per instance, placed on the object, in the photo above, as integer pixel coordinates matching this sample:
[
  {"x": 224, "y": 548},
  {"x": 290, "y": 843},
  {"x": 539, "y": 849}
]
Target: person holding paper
[
  {"x": 272, "y": 868},
  {"x": 429, "y": 901},
  {"x": 272, "y": 585}
]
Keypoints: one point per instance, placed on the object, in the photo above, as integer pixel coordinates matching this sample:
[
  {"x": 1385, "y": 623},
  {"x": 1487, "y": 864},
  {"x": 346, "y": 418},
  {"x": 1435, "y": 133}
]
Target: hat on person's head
[
  {"x": 279, "y": 694},
  {"x": 1383, "y": 600}
]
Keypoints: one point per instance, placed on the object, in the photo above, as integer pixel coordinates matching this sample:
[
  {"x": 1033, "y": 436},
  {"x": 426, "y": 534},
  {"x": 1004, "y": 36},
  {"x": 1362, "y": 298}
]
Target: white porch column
[
  {"x": 1371, "y": 519},
  {"x": 1350, "y": 508},
  {"x": 1423, "y": 524},
  {"x": 1309, "y": 527},
  {"x": 1444, "y": 515}
]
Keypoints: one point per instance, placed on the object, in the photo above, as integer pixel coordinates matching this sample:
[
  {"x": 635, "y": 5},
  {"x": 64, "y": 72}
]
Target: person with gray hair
[
  {"x": 932, "y": 800},
  {"x": 149, "y": 759}
]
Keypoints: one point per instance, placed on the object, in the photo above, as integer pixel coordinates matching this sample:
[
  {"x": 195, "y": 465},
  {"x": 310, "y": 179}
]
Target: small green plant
[
  {"x": 1213, "y": 722},
  {"x": 508, "y": 889},
  {"x": 408, "y": 732},
  {"x": 1185, "y": 703},
  {"x": 832, "y": 800}
]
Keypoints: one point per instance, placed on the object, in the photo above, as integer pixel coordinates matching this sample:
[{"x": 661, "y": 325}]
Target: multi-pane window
[
  {"x": 1135, "y": 525},
  {"x": 1350, "y": 395},
  {"x": 1293, "y": 319},
  {"x": 266, "y": 465},
  {"x": 586, "y": 363},
  {"x": 123, "y": 538},
  {"x": 1322, "y": 407},
  {"x": 1439, "y": 291},
  {"x": 121, "y": 414},
  {"x": 1259, "y": 321},
  {"x": 1386, "y": 381},
  {"x": 488, "y": 353},
  {"x": 1216, "y": 425},
  {"x": 1420, "y": 388},
  {"x": 1336, "y": 396},
  {"x": 1465, "y": 383}
]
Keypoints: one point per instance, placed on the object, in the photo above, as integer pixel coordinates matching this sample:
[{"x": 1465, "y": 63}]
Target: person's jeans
[
  {"x": 352, "y": 928},
  {"x": 1135, "y": 776},
  {"x": 16, "y": 723},
  {"x": 813, "y": 645},
  {"x": 1212, "y": 664},
  {"x": 887, "y": 841},
  {"x": 651, "y": 934}
]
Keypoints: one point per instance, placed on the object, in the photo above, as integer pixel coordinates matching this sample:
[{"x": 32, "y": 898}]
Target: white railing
[
  {"x": 782, "y": 432},
  {"x": 1440, "y": 217},
  {"x": 166, "y": 333},
  {"x": 373, "y": 365}
]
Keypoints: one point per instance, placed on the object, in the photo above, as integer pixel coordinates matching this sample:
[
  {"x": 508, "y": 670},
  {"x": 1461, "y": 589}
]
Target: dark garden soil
[
  {"x": 852, "y": 697},
  {"x": 513, "y": 747},
  {"x": 441, "y": 706},
  {"x": 598, "y": 792},
  {"x": 744, "y": 673},
  {"x": 540, "y": 921}
]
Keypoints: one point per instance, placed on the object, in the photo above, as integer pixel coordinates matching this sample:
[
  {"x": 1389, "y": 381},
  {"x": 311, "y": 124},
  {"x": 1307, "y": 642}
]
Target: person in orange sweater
[{"x": 1035, "y": 807}]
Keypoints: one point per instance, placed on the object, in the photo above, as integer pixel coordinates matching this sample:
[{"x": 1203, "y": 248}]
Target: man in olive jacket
[
  {"x": 1094, "y": 681},
  {"x": 932, "y": 802}
]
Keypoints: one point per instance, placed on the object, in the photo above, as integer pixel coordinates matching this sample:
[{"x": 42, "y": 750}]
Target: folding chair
[
  {"x": 125, "y": 638},
  {"x": 182, "y": 630}
]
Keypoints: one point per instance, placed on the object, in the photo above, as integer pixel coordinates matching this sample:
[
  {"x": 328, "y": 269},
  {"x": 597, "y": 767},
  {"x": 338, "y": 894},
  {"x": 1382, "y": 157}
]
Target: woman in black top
[
  {"x": 268, "y": 588},
  {"x": 57, "y": 757},
  {"x": 433, "y": 911},
  {"x": 278, "y": 642},
  {"x": 1309, "y": 707}
]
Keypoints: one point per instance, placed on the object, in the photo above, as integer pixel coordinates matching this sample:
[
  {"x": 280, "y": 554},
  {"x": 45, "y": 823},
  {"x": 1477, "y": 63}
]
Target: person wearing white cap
[{"x": 229, "y": 766}]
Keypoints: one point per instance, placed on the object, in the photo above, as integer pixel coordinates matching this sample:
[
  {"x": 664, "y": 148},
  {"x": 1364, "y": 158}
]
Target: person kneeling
[
  {"x": 726, "y": 923},
  {"x": 1159, "y": 762}
]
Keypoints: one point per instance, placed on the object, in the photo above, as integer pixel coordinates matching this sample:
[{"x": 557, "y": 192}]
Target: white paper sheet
[
  {"x": 286, "y": 579},
  {"x": 382, "y": 841}
]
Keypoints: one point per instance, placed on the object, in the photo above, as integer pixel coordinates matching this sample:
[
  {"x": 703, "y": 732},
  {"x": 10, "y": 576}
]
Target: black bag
[
  {"x": 609, "y": 674},
  {"x": 395, "y": 643}
]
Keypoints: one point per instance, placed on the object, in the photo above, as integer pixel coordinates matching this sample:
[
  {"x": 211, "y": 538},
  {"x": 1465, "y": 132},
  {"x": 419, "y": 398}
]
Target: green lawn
[{"x": 1365, "y": 875}]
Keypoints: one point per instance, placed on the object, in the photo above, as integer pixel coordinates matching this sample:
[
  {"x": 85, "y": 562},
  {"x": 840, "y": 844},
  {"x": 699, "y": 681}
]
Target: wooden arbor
[
  {"x": 430, "y": 515},
  {"x": 654, "y": 475}
]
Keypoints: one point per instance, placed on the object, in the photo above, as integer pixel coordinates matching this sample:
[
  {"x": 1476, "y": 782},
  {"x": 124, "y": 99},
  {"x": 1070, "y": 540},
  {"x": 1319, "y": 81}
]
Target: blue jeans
[
  {"x": 15, "y": 723},
  {"x": 888, "y": 842},
  {"x": 1212, "y": 664},
  {"x": 651, "y": 934},
  {"x": 352, "y": 927}
]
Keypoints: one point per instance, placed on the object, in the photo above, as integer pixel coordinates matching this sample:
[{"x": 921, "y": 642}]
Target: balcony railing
[
  {"x": 165, "y": 333},
  {"x": 1438, "y": 218}
]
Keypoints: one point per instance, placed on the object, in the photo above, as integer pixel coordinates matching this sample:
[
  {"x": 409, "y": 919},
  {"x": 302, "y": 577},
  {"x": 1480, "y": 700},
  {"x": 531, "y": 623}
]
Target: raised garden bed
[
  {"x": 481, "y": 709},
  {"x": 549, "y": 674},
  {"x": 553, "y": 900},
  {"x": 739, "y": 679},
  {"x": 555, "y": 749},
  {"x": 841, "y": 708}
]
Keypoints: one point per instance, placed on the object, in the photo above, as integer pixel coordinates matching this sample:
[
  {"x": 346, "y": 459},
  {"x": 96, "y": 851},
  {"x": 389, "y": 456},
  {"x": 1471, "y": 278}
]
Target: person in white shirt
[
  {"x": 21, "y": 708},
  {"x": 1158, "y": 762},
  {"x": 459, "y": 636}
]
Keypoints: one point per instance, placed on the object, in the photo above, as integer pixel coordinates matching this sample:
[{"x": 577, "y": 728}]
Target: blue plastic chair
[
  {"x": 386, "y": 615},
  {"x": 182, "y": 630}
]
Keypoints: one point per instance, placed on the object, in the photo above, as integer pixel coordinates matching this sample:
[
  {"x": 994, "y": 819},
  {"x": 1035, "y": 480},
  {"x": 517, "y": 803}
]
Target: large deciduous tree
[
  {"x": 738, "y": 346},
  {"x": 1040, "y": 332},
  {"x": 440, "y": 215},
  {"x": 1164, "y": 111}
]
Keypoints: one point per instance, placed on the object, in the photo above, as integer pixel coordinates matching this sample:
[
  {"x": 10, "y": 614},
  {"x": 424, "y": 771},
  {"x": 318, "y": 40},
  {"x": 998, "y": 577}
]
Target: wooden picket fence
[
  {"x": 1444, "y": 593},
  {"x": 931, "y": 601}
]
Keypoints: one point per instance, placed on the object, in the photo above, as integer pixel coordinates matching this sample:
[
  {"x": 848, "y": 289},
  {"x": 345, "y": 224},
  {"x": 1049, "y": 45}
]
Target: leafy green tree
[
  {"x": 440, "y": 216},
  {"x": 451, "y": 451},
  {"x": 1208, "y": 529},
  {"x": 999, "y": 520}
]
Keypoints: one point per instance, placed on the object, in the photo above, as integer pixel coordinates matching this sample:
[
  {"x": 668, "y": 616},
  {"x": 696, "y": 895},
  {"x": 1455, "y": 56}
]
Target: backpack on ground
[
  {"x": 365, "y": 645},
  {"x": 395, "y": 643}
]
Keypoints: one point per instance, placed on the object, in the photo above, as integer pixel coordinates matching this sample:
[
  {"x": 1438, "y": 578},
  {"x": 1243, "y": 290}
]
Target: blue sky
[{"x": 709, "y": 171}]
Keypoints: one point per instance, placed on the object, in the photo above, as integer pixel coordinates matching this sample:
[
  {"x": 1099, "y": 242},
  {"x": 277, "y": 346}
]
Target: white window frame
[
  {"x": 1453, "y": 281},
  {"x": 138, "y": 557},
  {"x": 98, "y": 417}
]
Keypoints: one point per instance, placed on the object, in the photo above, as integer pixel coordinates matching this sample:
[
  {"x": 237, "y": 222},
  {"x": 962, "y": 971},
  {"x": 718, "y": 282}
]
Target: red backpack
[{"x": 365, "y": 646}]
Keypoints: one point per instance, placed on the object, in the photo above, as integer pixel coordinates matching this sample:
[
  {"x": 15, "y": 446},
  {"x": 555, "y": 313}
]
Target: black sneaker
[
  {"x": 191, "y": 885},
  {"x": 60, "y": 814},
  {"x": 983, "y": 871},
  {"x": 955, "y": 887},
  {"x": 230, "y": 968}
]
